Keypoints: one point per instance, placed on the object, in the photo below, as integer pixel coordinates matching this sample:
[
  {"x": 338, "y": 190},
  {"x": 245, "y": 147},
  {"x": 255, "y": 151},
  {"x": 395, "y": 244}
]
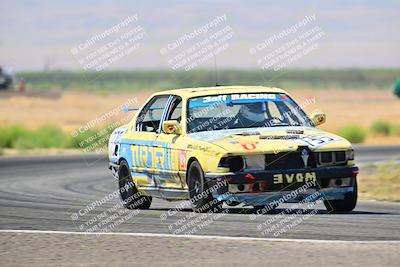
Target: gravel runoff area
[{"x": 53, "y": 249}]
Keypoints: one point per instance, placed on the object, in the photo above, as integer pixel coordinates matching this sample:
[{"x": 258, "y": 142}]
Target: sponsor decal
[
  {"x": 291, "y": 131},
  {"x": 218, "y": 98},
  {"x": 236, "y": 98},
  {"x": 315, "y": 141},
  {"x": 249, "y": 146},
  {"x": 295, "y": 178},
  {"x": 182, "y": 159},
  {"x": 253, "y": 96},
  {"x": 199, "y": 147},
  {"x": 145, "y": 154},
  {"x": 279, "y": 137}
]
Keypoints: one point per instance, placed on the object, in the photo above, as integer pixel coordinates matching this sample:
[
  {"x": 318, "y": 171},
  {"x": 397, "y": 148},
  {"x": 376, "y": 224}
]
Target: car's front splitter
[{"x": 265, "y": 198}]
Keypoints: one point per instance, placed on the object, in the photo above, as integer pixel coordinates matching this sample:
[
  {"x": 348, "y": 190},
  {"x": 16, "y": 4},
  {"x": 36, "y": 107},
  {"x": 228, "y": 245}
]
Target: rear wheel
[
  {"x": 343, "y": 205},
  {"x": 131, "y": 197},
  {"x": 200, "y": 195}
]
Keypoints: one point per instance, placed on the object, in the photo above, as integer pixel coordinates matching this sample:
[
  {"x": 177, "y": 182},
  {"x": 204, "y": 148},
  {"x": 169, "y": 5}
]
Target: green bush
[
  {"x": 396, "y": 90},
  {"x": 44, "y": 137},
  {"x": 84, "y": 139},
  {"x": 353, "y": 133},
  {"x": 381, "y": 127},
  {"x": 394, "y": 130},
  {"x": 8, "y": 134},
  {"x": 385, "y": 128},
  {"x": 52, "y": 137}
]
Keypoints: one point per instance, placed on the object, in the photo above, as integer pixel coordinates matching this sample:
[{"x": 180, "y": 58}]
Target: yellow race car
[{"x": 233, "y": 144}]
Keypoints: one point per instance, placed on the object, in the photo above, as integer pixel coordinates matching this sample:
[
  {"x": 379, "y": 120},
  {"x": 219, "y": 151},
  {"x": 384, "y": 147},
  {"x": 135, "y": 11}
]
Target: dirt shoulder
[{"x": 380, "y": 181}]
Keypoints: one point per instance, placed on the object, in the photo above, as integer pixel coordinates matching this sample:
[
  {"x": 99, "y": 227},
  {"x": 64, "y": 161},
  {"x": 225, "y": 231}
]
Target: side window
[
  {"x": 149, "y": 118},
  {"x": 175, "y": 110}
]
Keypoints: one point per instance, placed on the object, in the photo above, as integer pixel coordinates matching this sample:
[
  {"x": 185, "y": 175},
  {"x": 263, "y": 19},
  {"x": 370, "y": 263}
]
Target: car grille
[
  {"x": 288, "y": 160},
  {"x": 293, "y": 160}
]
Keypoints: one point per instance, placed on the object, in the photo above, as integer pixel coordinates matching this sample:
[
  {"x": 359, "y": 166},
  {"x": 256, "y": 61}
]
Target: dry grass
[
  {"x": 380, "y": 182},
  {"x": 344, "y": 107},
  {"x": 347, "y": 107},
  {"x": 73, "y": 109},
  {"x": 69, "y": 112}
]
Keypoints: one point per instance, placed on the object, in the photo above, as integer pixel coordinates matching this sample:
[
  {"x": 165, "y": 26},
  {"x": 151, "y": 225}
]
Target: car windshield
[{"x": 244, "y": 110}]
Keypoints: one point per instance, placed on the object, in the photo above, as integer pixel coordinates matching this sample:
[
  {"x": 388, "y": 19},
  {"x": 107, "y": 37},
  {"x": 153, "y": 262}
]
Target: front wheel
[
  {"x": 201, "y": 198},
  {"x": 343, "y": 205},
  {"x": 131, "y": 197}
]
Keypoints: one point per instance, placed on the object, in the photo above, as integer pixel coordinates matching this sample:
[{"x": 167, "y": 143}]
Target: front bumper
[{"x": 263, "y": 187}]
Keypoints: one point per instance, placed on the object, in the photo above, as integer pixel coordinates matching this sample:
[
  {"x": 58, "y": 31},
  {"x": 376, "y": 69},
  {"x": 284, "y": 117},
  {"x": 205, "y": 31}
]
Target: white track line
[{"x": 232, "y": 238}]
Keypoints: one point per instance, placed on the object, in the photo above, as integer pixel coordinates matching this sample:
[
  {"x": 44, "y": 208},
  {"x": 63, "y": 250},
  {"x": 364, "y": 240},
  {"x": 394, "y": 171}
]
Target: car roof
[{"x": 203, "y": 91}]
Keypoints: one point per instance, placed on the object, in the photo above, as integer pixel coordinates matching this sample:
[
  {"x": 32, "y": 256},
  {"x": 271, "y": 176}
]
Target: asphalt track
[{"x": 55, "y": 193}]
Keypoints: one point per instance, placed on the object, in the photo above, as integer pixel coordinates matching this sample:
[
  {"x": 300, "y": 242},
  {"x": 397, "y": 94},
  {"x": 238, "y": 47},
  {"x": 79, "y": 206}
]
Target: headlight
[
  {"x": 234, "y": 163},
  {"x": 335, "y": 157},
  {"x": 350, "y": 154},
  {"x": 325, "y": 157}
]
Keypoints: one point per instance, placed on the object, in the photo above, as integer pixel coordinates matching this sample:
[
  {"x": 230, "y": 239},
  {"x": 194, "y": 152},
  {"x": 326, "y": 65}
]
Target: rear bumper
[{"x": 263, "y": 187}]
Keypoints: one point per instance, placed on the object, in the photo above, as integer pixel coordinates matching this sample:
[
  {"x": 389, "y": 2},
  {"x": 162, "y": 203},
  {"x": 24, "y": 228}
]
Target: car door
[
  {"x": 142, "y": 139},
  {"x": 167, "y": 152}
]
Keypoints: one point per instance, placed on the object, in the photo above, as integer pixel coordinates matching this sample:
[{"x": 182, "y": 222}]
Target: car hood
[{"x": 277, "y": 139}]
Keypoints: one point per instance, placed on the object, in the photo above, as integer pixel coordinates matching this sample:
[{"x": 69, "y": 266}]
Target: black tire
[
  {"x": 200, "y": 196},
  {"x": 130, "y": 196},
  {"x": 343, "y": 205}
]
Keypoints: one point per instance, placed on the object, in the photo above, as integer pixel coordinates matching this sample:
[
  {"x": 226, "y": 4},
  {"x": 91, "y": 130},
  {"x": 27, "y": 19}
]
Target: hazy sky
[{"x": 41, "y": 34}]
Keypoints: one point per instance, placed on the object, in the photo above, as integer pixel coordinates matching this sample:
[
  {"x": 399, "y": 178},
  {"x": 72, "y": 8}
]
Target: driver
[{"x": 252, "y": 113}]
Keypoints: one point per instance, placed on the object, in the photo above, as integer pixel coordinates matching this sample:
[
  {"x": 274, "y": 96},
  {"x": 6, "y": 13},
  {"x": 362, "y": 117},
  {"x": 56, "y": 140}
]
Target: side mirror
[
  {"x": 318, "y": 118},
  {"x": 171, "y": 127}
]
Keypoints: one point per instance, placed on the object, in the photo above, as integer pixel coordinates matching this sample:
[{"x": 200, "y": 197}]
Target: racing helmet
[{"x": 253, "y": 111}]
